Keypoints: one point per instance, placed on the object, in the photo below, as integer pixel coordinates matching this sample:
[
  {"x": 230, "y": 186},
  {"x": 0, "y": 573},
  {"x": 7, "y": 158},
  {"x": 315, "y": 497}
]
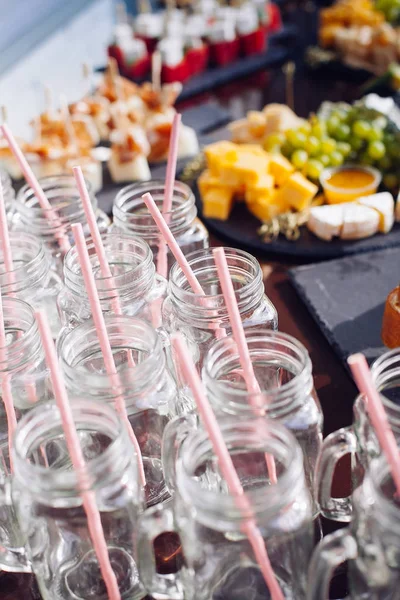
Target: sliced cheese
[
  {"x": 326, "y": 221},
  {"x": 359, "y": 221},
  {"x": 383, "y": 203}
]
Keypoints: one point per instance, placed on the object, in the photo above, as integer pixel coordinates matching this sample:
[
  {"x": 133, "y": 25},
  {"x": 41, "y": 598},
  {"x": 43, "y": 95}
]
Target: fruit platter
[{"x": 320, "y": 187}]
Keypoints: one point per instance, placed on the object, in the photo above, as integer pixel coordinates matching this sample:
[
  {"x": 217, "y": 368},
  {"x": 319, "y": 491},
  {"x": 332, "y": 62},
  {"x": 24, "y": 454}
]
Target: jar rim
[
  {"x": 33, "y": 424},
  {"x": 387, "y": 510},
  {"x": 277, "y": 440},
  {"x": 241, "y": 398},
  {"x": 129, "y": 374},
  {"x": 19, "y": 273},
  {"x": 16, "y": 308},
  {"x": 142, "y": 272}
]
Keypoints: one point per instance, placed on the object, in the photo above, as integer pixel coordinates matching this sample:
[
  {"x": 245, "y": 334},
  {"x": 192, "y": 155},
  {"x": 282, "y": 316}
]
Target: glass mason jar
[
  {"x": 202, "y": 318},
  {"x": 370, "y": 544},
  {"x": 63, "y": 195},
  {"x": 24, "y": 364},
  {"x": 49, "y": 508},
  {"x": 32, "y": 279},
  {"x": 131, "y": 216},
  {"x": 147, "y": 387},
  {"x": 134, "y": 287},
  {"x": 359, "y": 440},
  {"x": 8, "y": 193},
  {"x": 218, "y": 559},
  {"x": 284, "y": 372}
]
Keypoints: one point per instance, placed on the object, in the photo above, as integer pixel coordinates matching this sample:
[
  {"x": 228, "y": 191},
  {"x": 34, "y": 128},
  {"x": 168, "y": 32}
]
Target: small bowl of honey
[{"x": 349, "y": 182}]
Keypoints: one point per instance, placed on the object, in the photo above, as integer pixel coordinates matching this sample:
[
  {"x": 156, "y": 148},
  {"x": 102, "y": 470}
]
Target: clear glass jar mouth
[
  {"x": 387, "y": 512},
  {"x": 63, "y": 195},
  {"x": 384, "y": 370},
  {"x": 135, "y": 255},
  {"x": 43, "y": 423},
  {"x": 244, "y": 270},
  {"x": 21, "y": 315},
  {"x": 260, "y": 435},
  {"x": 31, "y": 270},
  {"x": 81, "y": 343},
  {"x": 130, "y": 211},
  {"x": 271, "y": 348}
]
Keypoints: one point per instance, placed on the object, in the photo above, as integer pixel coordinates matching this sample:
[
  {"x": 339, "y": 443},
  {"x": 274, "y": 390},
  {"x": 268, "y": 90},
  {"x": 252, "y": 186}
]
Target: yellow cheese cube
[
  {"x": 220, "y": 152},
  {"x": 217, "y": 203},
  {"x": 297, "y": 192},
  {"x": 264, "y": 187},
  {"x": 263, "y": 209},
  {"x": 254, "y": 150},
  {"x": 280, "y": 168},
  {"x": 208, "y": 180}
]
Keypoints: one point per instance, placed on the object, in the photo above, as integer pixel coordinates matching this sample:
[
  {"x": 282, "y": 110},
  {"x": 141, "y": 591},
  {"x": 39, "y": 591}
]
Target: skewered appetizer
[
  {"x": 129, "y": 151},
  {"x": 258, "y": 125}
]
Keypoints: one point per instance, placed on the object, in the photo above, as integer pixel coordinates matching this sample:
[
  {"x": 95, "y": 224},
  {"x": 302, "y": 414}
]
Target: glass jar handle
[
  {"x": 153, "y": 522},
  {"x": 334, "y": 447},
  {"x": 175, "y": 433},
  {"x": 13, "y": 562},
  {"x": 331, "y": 552}
]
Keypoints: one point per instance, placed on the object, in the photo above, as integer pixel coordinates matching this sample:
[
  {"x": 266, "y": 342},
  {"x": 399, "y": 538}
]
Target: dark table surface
[{"x": 335, "y": 389}]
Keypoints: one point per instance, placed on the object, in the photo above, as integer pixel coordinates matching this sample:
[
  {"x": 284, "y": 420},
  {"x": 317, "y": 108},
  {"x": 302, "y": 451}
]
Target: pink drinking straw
[
  {"x": 172, "y": 243},
  {"x": 45, "y": 205},
  {"x": 6, "y": 385},
  {"x": 98, "y": 244},
  {"x": 162, "y": 256},
  {"x": 78, "y": 461},
  {"x": 226, "y": 465},
  {"x": 363, "y": 378},
  {"x": 240, "y": 338},
  {"x": 102, "y": 335}
]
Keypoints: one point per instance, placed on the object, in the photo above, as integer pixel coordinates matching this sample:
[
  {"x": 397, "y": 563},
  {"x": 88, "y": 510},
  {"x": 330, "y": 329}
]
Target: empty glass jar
[
  {"x": 370, "y": 544},
  {"x": 32, "y": 278},
  {"x": 48, "y": 503},
  {"x": 134, "y": 286},
  {"x": 131, "y": 216},
  {"x": 219, "y": 561},
  {"x": 148, "y": 389},
  {"x": 63, "y": 195},
  {"x": 23, "y": 363},
  {"x": 359, "y": 440},
  {"x": 283, "y": 370},
  {"x": 203, "y": 318}
]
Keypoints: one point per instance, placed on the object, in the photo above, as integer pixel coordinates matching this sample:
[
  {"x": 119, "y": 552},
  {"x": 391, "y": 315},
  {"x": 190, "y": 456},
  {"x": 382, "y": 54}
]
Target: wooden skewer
[
  {"x": 115, "y": 77},
  {"x": 144, "y": 7},
  {"x": 4, "y": 115},
  {"x": 156, "y": 71},
  {"x": 289, "y": 71}
]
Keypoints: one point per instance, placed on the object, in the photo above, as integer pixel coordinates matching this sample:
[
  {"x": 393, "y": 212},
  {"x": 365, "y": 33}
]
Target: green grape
[
  {"x": 305, "y": 128},
  {"x": 328, "y": 145},
  {"x": 296, "y": 138},
  {"x": 287, "y": 149},
  {"x": 376, "y": 150},
  {"x": 313, "y": 145},
  {"x": 380, "y": 122},
  {"x": 332, "y": 124},
  {"x": 318, "y": 129},
  {"x": 375, "y": 135},
  {"x": 273, "y": 140},
  {"x": 344, "y": 148},
  {"x": 299, "y": 158},
  {"x": 325, "y": 159},
  {"x": 356, "y": 143},
  {"x": 314, "y": 169},
  {"x": 391, "y": 181},
  {"x": 336, "y": 159},
  {"x": 385, "y": 163},
  {"x": 361, "y": 129},
  {"x": 342, "y": 132}
]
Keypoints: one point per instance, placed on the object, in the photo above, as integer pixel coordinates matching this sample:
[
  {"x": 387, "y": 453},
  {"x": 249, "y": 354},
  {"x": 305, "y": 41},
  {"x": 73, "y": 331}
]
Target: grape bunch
[
  {"x": 344, "y": 134},
  {"x": 391, "y": 10}
]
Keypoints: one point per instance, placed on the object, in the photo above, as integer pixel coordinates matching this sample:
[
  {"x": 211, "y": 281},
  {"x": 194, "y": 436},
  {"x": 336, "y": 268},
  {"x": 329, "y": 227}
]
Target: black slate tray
[{"x": 346, "y": 297}]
